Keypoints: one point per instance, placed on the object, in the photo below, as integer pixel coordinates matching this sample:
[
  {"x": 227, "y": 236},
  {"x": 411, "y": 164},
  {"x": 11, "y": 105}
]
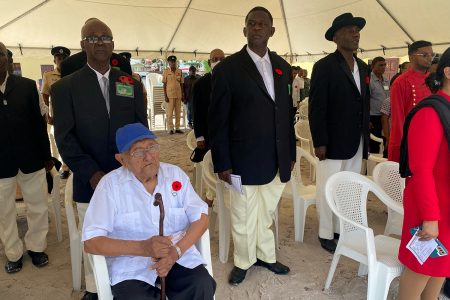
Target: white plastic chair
[
  {"x": 197, "y": 178},
  {"x": 76, "y": 248},
  {"x": 53, "y": 201},
  {"x": 302, "y": 195},
  {"x": 220, "y": 208},
  {"x": 346, "y": 194},
  {"x": 303, "y": 133},
  {"x": 387, "y": 176},
  {"x": 101, "y": 275}
]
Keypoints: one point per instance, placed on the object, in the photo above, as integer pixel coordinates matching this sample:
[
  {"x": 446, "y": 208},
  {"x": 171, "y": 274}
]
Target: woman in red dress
[{"x": 427, "y": 194}]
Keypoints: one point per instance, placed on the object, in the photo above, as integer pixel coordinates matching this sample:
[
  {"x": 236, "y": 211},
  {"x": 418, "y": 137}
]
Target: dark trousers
[
  {"x": 181, "y": 283},
  {"x": 374, "y": 147}
]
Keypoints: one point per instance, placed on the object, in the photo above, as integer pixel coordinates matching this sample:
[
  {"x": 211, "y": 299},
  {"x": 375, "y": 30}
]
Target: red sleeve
[
  {"x": 397, "y": 119},
  {"x": 425, "y": 136}
]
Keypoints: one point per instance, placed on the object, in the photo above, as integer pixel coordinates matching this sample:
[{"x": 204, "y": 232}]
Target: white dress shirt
[
  {"x": 355, "y": 74},
  {"x": 101, "y": 82},
  {"x": 3, "y": 85},
  {"x": 121, "y": 208},
  {"x": 265, "y": 69}
]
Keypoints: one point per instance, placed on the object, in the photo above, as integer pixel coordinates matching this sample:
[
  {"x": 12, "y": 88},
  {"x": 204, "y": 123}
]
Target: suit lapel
[
  {"x": 276, "y": 77},
  {"x": 362, "y": 76},
  {"x": 250, "y": 68},
  {"x": 344, "y": 66},
  {"x": 98, "y": 95}
]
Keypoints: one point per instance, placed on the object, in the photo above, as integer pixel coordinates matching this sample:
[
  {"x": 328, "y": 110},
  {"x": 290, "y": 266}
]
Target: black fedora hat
[{"x": 342, "y": 21}]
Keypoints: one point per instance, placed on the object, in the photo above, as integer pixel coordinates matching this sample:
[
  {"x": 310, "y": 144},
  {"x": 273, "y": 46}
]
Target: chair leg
[
  {"x": 224, "y": 225},
  {"x": 363, "y": 270},
  {"x": 76, "y": 255},
  {"x": 299, "y": 224},
  {"x": 212, "y": 221},
  {"x": 57, "y": 211},
  {"x": 333, "y": 266},
  {"x": 379, "y": 282}
]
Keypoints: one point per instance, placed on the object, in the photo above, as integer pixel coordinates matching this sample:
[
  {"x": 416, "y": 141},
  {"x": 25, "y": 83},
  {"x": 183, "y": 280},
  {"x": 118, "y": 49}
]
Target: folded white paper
[
  {"x": 421, "y": 249},
  {"x": 236, "y": 183}
]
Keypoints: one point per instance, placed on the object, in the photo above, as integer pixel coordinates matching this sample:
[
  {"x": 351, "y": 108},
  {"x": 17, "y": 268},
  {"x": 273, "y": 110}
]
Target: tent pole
[
  {"x": 178, "y": 26},
  {"x": 287, "y": 31},
  {"x": 24, "y": 14},
  {"x": 395, "y": 20}
]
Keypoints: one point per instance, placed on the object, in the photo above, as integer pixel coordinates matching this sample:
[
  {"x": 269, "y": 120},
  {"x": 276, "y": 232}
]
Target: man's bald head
[
  {"x": 216, "y": 53},
  {"x": 93, "y": 24}
]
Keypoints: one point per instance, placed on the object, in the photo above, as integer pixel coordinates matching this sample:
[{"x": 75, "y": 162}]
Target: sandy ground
[{"x": 309, "y": 263}]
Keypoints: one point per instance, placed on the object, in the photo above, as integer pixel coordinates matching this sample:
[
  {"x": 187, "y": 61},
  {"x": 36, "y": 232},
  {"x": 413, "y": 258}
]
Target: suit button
[{"x": 276, "y": 107}]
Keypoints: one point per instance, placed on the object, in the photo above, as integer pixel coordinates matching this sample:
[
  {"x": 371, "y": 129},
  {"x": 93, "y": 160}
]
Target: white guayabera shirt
[{"x": 121, "y": 208}]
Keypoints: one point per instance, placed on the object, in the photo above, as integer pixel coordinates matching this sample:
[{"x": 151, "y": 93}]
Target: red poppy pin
[
  {"x": 278, "y": 71},
  {"x": 114, "y": 62},
  {"x": 126, "y": 80},
  {"x": 367, "y": 79},
  {"x": 176, "y": 186}
]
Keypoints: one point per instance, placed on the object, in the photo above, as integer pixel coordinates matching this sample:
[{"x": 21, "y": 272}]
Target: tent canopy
[{"x": 188, "y": 26}]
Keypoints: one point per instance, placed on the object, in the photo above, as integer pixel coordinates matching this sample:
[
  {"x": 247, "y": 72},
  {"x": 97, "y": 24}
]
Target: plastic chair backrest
[
  {"x": 303, "y": 110},
  {"x": 208, "y": 175},
  {"x": 296, "y": 172},
  {"x": 378, "y": 140},
  {"x": 387, "y": 176},
  {"x": 191, "y": 141}
]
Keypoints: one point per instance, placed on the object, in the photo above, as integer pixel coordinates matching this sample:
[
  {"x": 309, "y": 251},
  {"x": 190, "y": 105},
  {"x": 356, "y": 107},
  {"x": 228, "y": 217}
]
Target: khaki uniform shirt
[
  {"x": 50, "y": 78},
  {"x": 173, "y": 81}
]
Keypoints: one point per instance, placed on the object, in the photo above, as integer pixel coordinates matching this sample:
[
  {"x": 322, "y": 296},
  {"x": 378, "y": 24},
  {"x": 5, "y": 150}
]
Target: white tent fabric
[{"x": 185, "y": 26}]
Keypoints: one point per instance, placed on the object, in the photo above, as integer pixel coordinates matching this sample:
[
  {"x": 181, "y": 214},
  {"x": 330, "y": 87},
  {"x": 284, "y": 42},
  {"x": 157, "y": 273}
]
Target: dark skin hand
[
  {"x": 95, "y": 179},
  {"x": 321, "y": 152},
  {"x": 201, "y": 144},
  {"x": 163, "y": 265},
  {"x": 48, "y": 165}
]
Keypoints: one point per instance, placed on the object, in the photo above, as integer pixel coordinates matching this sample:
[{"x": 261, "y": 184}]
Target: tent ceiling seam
[
  {"x": 178, "y": 26},
  {"x": 395, "y": 20},
  {"x": 287, "y": 29},
  {"x": 24, "y": 14}
]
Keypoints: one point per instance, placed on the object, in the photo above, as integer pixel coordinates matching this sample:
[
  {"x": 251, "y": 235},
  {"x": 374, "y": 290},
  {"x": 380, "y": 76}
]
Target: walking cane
[{"x": 159, "y": 202}]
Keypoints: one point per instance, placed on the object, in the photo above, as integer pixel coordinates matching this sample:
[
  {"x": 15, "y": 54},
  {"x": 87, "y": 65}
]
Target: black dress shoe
[
  {"x": 172, "y": 132},
  {"x": 13, "y": 266},
  {"x": 336, "y": 236},
  {"x": 90, "y": 296},
  {"x": 39, "y": 259},
  {"x": 447, "y": 288},
  {"x": 64, "y": 175},
  {"x": 178, "y": 131},
  {"x": 236, "y": 276},
  {"x": 276, "y": 267},
  {"x": 328, "y": 245}
]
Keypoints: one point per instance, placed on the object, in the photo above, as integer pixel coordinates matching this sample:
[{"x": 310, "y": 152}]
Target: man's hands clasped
[{"x": 162, "y": 252}]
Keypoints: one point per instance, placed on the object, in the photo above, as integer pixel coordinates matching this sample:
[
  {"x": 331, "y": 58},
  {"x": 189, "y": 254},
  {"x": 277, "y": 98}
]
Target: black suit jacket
[
  {"x": 84, "y": 132},
  {"x": 249, "y": 132},
  {"x": 201, "y": 97},
  {"x": 23, "y": 132},
  {"x": 338, "y": 112}
]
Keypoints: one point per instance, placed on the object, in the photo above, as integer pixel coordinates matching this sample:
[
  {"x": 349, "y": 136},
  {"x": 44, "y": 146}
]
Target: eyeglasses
[
  {"x": 425, "y": 55},
  {"x": 140, "y": 153},
  {"x": 106, "y": 39}
]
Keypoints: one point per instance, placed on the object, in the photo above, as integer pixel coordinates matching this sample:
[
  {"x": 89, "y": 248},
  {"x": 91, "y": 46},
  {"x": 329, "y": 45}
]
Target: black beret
[
  {"x": 60, "y": 50},
  {"x": 126, "y": 55}
]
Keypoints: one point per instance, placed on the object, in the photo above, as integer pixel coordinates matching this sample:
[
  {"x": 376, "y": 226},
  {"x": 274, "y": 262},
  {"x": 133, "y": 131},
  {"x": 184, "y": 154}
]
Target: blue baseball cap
[{"x": 129, "y": 134}]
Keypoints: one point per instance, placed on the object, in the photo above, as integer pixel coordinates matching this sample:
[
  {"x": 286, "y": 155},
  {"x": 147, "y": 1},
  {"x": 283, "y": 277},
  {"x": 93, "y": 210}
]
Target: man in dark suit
[
  {"x": 338, "y": 115},
  {"x": 89, "y": 106},
  {"x": 252, "y": 136},
  {"x": 24, "y": 158},
  {"x": 201, "y": 97}
]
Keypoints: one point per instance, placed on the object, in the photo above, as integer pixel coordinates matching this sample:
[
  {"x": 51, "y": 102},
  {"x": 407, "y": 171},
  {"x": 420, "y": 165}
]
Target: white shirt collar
[
  {"x": 3, "y": 85},
  {"x": 100, "y": 75},
  {"x": 255, "y": 57}
]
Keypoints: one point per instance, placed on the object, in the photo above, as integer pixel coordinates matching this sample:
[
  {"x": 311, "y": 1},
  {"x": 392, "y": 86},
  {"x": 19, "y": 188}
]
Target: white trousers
[
  {"x": 88, "y": 272},
  {"x": 34, "y": 191},
  {"x": 328, "y": 222},
  {"x": 252, "y": 216}
]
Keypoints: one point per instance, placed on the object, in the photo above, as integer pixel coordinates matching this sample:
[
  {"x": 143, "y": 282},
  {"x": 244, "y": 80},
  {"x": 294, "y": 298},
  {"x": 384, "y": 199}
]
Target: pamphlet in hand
[
  {"x": 424, "y": 249},
  {"x": 236, "y": 183}
]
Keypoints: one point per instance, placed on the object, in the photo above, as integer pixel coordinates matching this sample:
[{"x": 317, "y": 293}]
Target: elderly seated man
[{"x": 122, "y": 224}]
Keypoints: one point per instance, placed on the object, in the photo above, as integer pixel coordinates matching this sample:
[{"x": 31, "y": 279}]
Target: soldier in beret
[
  {"x": 59, "y": 53},
  {"x": 173, "y": 91}
]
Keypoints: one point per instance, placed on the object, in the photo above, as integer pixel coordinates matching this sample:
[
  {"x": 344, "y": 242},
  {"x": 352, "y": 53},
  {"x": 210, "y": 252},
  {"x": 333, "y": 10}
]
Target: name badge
[
  {"x": 386, "y": 87},
  {"x": 124, "y": 90}
]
